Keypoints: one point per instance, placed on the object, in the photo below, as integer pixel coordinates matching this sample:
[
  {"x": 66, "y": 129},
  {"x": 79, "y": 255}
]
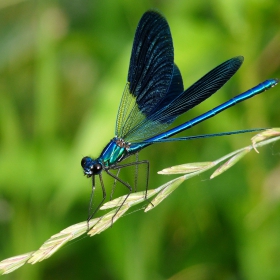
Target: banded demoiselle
[{"x": 154, "y": 97}]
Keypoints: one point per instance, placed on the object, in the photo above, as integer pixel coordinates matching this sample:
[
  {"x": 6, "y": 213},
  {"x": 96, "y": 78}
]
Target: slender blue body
[
  {"x": 154, "y": 97},
  {"x": 114, "y": 153},
  {"x": 211, "y": 113}
]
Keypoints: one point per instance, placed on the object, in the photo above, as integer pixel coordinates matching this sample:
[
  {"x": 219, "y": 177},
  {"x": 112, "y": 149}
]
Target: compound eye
[
  {"x": 91, "y": 166},
  {"x": 85, "y": 161},
  {"x": 96, "y": 168}
]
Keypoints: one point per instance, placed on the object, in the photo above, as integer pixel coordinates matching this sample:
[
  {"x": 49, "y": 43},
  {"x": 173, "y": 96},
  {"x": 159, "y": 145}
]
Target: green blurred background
[{"x": 63, "y": 68}]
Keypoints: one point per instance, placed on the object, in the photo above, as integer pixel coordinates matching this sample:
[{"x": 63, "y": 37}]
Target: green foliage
[{"x": 63, "y": 69}]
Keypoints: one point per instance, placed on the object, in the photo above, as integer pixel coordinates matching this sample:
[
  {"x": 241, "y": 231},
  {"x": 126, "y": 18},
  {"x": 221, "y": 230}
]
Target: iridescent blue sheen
[{"x": 154, "y": 97}]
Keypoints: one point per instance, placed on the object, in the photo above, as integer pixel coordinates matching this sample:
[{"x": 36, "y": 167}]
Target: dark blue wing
[
  {"x": 175, "y": 89},
  {"x": 154, "y": 95},
  {"x": 158, "y": 121},
  {"x": 199, "y": 91},
  {"x": 150, "y": 75},
  {"x": 151, "y": 62}
]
